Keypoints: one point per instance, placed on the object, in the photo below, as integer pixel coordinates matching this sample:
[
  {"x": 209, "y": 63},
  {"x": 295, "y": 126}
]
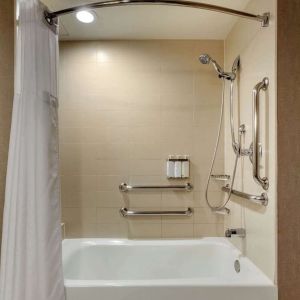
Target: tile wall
[
  {"x": 256, "y": 47},
  {"x": 124, "y": 107}
]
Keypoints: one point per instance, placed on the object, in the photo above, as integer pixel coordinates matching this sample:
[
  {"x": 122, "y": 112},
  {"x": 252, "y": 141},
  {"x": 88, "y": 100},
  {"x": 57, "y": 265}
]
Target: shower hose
[{"x": 237, "y": 147}]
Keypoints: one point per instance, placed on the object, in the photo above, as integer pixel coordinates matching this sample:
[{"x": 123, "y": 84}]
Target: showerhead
[{"x": 206, "y": 59}]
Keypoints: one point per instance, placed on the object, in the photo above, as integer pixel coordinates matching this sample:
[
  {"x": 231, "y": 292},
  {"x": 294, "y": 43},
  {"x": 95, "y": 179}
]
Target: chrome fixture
[
  {"x": 125, "y": 212},
  {"x": 255, "y": 147},
  {"x": 124, "y": 187},
  {"x": 221, "y": 211},
  {"x": 254, "y": 151},
  {"x": 240, "y": 232},
  {"x": 51, "y": 17},
  {"x": 206, "y": 59},
  {"x": 221, "y": 177},
  {"x": 259, "y": 199},
  {"x": 237, "y": 266}
]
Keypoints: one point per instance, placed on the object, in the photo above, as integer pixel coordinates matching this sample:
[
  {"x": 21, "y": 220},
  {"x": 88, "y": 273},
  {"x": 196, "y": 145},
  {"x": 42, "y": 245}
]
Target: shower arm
[{"x": 51, "y": 17}]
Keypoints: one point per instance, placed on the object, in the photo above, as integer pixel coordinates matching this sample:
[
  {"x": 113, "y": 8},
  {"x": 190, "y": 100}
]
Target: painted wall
[
  {"x": 6, "y": 88},
  {"x": 124, "y": 107},
  {"x": 256, "y": 46},
  {"x": 288, "y": 66}
]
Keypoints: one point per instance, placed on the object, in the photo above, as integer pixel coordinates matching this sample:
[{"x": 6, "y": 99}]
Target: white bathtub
[{"x": 113, "y": 269}]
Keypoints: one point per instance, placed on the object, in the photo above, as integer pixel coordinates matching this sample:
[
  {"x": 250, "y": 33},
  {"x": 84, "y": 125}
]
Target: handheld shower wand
[{"x": 206, "y": 59}]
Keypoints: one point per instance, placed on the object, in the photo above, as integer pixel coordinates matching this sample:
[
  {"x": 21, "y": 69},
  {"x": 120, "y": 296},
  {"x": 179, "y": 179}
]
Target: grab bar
[
  {"x": 124, "y": 187},
  {"x": 263, "y": 181},
  {"x": 125, "y": 212},
  {"x": 261, "y": 199}
]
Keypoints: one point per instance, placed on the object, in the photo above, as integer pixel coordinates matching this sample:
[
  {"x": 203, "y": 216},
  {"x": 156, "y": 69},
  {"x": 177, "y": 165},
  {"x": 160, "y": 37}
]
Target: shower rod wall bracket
[
  {"x": 263, "y": 19},
  {"x": 266, "y": 19}
]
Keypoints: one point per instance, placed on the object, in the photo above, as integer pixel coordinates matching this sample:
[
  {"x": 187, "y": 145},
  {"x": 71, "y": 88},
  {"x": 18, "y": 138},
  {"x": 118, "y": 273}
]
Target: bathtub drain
[{"x": 237, "y": 266}]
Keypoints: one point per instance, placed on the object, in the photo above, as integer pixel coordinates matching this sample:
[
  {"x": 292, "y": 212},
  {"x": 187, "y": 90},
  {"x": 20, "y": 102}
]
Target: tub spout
[{"x": 240, "y": 232}]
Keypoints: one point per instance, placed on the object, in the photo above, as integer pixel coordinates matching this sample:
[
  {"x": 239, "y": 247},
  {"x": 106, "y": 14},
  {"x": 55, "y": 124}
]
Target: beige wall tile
[
  {"x": 109, "y": 215},
  {"x": 180, "y": 230},
  {"x": 149, "y": 151},
  {"x": 110, "y": 183},
  {"x": 204, "y": 215},
  {"x": 168, "y": 103},
  {"x": 257, "y": 49},
  {"x": 146, "y": 200},
  {"x": 81, "y": 230},
  {"x": 110, "y": 199},
  {"x": 112, "y": 230},
  {"x": 112, "y": 167},
  {"x": 204, "y": 230},
  {"x": 79, "y": 214},
  {"x": 147, "y": 167},
  {"x": 144, "y": 230},
  {"x": 113, "y": 151},
  {"x": 177, "y": 199},
  {"x": 78, "y": 183}
]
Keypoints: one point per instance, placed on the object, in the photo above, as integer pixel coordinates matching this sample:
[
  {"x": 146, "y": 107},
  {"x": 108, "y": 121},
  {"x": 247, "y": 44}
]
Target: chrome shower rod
[{"x": 263, "y": 19}]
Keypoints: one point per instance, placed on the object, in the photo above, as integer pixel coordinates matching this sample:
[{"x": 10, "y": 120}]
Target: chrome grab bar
[
  {"x": 260, "y": 199},
  {"x": 124, "y": 187},
  {"x": 255, "y": 156},
  {"x": 125, "y": 212}
]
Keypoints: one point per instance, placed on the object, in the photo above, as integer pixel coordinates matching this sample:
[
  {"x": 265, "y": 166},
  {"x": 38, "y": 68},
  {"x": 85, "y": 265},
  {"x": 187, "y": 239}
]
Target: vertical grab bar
[{"x": 263, "y": 181}]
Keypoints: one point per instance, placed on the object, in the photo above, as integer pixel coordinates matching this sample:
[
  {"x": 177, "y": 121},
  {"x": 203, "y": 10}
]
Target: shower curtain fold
[{"x": 31, "y": 262}]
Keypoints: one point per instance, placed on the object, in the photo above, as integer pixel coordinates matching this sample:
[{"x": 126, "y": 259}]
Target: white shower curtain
[{"x": 31, "y": 263}]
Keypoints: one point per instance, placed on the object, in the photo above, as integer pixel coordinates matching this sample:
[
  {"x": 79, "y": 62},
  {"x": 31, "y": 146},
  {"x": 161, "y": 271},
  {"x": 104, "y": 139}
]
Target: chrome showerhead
[{"x": 206, "y": 59}]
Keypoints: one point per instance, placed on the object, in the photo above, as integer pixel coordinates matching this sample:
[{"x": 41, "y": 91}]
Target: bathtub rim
[{"x": 190, "y": 282}]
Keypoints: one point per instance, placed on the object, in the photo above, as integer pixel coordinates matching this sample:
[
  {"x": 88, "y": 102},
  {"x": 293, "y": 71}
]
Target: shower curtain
[{"x": 31, "y": 262}]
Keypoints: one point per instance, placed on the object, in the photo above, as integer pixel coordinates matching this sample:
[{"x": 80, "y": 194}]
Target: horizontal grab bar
[
  {"x": 259, "y": 199},
  {"x": 125, "y": 212},
  {"x": 124, "y": 187}
]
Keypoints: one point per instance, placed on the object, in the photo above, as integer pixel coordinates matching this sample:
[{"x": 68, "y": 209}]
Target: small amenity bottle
[
  {"x": 185, "y": 167},
  {"x": 178, "y": 167},
  {"x": 171, "y": 166}
]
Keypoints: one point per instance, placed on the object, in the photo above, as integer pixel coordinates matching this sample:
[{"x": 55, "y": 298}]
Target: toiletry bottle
[
  {"x": 185, "y": 167},
  {"x": 178, "y": 167},
  {"x": 171, "y": 166}
]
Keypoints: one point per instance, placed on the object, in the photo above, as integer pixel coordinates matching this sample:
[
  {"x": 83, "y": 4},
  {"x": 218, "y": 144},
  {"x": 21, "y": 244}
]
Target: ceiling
[{"x": 148, "y": 21}]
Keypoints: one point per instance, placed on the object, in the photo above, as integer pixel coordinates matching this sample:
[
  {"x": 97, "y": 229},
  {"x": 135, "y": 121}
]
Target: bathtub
[{"x": 204, "y": 269}]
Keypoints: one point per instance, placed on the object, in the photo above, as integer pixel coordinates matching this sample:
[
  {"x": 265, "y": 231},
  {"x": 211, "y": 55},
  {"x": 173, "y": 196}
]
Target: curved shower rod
[{"x": 263, "y": 19}]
